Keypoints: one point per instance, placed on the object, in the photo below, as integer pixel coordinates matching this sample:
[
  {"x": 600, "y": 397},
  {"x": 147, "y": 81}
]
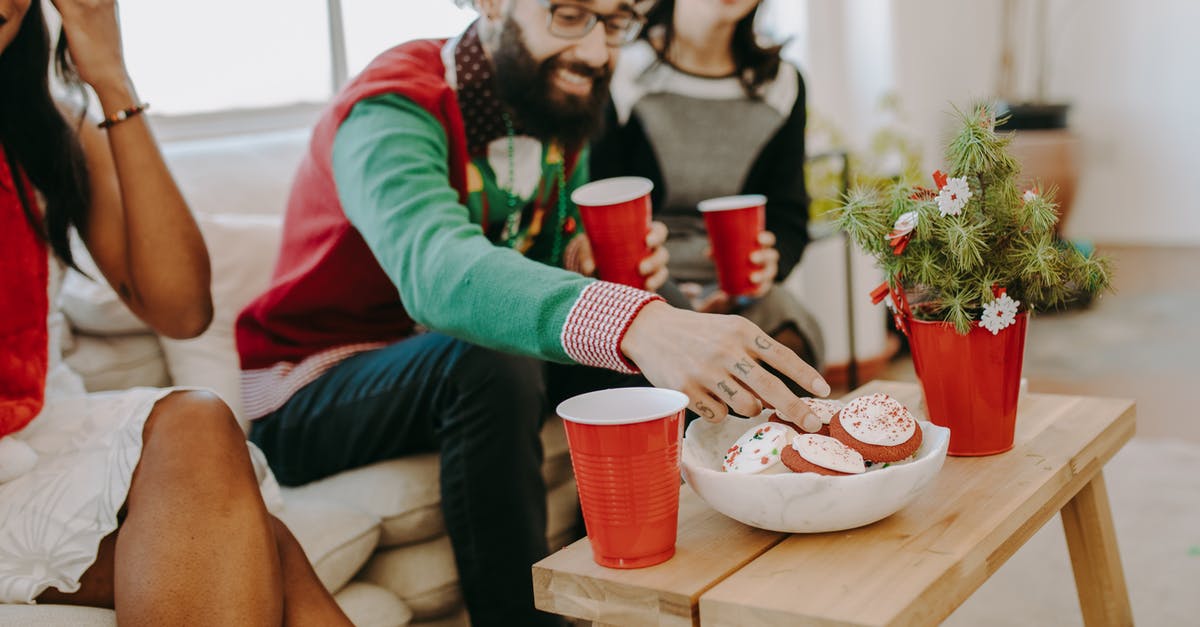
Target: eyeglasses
[{"x": 573, "y": 21}]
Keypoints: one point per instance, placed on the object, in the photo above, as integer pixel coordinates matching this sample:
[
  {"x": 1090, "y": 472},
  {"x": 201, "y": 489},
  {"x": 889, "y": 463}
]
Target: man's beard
[{"x": 526, "y": 86}]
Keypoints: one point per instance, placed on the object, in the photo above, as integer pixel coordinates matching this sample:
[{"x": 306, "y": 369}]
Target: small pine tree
[{"x": 953, "y": 262}]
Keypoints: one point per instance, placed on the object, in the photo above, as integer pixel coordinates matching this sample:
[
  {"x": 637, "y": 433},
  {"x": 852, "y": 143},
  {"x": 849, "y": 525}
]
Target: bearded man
[{"x": 432, "y": 294}]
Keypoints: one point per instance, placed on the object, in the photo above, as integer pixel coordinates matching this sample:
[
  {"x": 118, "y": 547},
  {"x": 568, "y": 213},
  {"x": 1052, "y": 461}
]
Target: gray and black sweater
[{"x": 700, "y": 137}]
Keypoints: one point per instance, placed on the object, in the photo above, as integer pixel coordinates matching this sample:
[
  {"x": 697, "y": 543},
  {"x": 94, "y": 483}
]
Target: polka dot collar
[{"x": 481, "y": 108}]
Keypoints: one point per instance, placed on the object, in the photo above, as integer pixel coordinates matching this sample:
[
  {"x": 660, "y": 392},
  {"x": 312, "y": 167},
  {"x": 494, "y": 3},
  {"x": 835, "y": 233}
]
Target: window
[
  {"x": 372, "y": 26},
  {"x": 221, "y": 55},
  {"x": 193, "y": 57}
]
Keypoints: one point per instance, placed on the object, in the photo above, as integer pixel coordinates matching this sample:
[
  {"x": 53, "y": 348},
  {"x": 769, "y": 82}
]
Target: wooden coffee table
[{"x": 912, "y": 568}]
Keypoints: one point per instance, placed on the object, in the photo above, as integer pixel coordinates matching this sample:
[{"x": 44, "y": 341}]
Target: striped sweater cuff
[{"x": 597, "y": 323}]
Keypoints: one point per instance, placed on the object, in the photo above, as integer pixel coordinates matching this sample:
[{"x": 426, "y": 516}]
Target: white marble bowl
[{"x": 804, "y": 502}]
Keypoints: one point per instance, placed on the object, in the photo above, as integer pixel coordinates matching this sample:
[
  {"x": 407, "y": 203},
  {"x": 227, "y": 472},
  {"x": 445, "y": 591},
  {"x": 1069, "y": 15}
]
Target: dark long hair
[
  {"x": 36, "y": 138},
  {"x": 755, "y": 64}
]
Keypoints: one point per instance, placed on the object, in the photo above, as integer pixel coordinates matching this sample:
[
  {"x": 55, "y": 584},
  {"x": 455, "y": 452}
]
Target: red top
[
  {"x": 310, "y": 305},
  {"x": 24, "y": 307}
]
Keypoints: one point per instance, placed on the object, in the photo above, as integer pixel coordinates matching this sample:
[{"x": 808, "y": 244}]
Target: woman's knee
[
  {"x": 193, "y": 419},
  {"x": 193, "y": 436}
]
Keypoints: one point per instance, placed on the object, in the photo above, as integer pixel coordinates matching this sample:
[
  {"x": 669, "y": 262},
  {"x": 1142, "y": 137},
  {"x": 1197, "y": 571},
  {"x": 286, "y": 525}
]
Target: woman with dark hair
[
  {"x": 703, "y": 109},
  {"x": 143, "y": 500}
]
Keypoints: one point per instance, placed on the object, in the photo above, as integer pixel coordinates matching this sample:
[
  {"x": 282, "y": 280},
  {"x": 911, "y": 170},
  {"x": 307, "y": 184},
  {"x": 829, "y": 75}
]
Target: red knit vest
[
  {"x": 24, "y": 306},
  {"x": 327, "y": 289}
]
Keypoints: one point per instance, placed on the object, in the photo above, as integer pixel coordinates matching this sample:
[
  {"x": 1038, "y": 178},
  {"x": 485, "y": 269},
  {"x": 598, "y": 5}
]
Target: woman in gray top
[{"x": 703, "y": 110}]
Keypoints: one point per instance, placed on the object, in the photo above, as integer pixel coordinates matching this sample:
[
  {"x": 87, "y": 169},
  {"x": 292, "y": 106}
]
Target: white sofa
[{"x": 375, "y": 534}]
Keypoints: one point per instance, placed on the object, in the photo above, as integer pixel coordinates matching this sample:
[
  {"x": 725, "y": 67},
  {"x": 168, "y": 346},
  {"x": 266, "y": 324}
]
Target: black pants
[{"x": 482, "y": 410}]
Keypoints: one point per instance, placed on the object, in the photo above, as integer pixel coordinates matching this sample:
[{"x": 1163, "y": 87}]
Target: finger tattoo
[
  {"x": 725, "y": 387},
  {"x": 763, "y": 342},
  {"x": 705, "y": 410},
  {"x": 744, "y": 366}
]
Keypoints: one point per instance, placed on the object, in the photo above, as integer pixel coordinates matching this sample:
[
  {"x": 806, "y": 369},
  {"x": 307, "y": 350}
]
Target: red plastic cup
[
  {"x": 971, "y": 382},
  {"x": 616, "y": 216},
  {"x": 625, "y": 451},
  {"x": 733, "y": 224}
]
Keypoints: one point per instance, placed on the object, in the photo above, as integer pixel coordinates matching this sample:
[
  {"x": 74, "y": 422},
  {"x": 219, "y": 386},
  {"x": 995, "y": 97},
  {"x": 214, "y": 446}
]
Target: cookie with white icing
[
  {"x": 822, "y": 408},
  {"x": 879, "y": 427},
  {"x": 823, "y": 455},
  {"x": 757, "y": 450}
]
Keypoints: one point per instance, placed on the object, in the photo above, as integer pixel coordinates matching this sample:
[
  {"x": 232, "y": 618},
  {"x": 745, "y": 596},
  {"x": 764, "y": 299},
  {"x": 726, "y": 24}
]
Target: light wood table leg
[{"x": 1099, "y": 580}]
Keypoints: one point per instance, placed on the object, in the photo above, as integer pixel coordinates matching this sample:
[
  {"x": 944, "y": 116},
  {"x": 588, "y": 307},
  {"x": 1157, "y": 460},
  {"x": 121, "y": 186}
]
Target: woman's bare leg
[
  {"x": 197, "y": 546},
  {"x": 305, "y": 599}
]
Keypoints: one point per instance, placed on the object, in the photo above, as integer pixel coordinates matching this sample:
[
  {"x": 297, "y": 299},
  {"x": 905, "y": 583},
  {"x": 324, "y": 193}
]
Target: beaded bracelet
[{"x": 124, "y": 114}]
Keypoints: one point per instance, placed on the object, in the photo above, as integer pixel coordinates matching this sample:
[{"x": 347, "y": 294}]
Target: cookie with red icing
[
  {"x": 810, "y": 452},
  {"x": 879, "y": 427},
  {"x": 757, "y": 450}
]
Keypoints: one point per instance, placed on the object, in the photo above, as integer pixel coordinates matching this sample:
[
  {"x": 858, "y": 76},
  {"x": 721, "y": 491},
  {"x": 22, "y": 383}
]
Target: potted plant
[{"x": 965, "y": 263}]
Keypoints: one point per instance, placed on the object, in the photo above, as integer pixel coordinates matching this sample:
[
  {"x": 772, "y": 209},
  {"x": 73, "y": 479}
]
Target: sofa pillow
[
  {"x": 337, "y": 538},
  {"x": 242, "y": 249},
  {"x": 245, "y": 173},
  {"x": 556, "y": 457},
  {"x": 403, "y": 493},
  {"x": 368, "y": 605},
  {"x": 562, "y": 515},
  {"x": 423, "y": 575},
  {"x": 46, "y": 615},
  {"x": 118, "y": 362}
]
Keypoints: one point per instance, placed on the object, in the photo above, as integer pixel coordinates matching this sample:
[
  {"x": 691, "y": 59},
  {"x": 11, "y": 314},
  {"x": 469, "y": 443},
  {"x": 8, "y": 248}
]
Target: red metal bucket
[{"x": 971, "y": 382}]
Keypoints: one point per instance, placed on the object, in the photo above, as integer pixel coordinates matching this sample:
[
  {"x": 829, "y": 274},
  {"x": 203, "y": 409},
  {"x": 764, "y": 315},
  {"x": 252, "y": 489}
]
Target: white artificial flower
[
  {"x": 1029, "y": 195},
  {"x": 904, "y": 224},
  {"x": 954, "y": 196},
  {"x": 999, "y": 314}
]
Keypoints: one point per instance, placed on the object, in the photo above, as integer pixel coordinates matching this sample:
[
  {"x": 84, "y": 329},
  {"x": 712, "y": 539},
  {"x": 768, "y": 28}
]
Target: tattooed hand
[{"x": 718, "y": 362}]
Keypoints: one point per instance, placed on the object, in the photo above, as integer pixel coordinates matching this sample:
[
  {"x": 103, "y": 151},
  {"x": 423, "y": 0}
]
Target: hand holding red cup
[
  {"x": 579, "y": 257},
  {"x": 622, "y": 244},
  {"x": 742, "y": 249}
]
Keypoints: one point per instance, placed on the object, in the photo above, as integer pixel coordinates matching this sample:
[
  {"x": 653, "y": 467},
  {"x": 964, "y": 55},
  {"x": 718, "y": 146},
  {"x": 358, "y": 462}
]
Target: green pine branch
[{"x": 1001, "y": 239}]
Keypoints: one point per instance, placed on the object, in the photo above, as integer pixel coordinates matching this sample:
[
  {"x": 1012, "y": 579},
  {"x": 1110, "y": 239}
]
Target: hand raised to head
[{"x": 94, "y": 40}]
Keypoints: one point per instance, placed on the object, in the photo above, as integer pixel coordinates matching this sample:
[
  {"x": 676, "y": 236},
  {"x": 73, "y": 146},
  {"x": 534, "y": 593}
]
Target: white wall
[{"x": 1128, "y": 68}]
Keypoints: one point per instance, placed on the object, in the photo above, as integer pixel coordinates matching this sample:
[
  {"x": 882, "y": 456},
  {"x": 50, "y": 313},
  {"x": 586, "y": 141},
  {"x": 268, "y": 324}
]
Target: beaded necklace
[{"x": 512, "y": 224}]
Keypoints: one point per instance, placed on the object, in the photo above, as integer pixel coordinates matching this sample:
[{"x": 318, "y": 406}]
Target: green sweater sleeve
[{"x": 391, "y": 170}]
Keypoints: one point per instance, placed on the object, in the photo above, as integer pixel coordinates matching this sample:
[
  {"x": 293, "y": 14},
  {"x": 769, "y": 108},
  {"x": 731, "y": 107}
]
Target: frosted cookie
[
  {"x": 824, "y": 409},
  {"x": 823, "y": 455},
  {"x": 879, "y": 427},
  {"x": 758, "y": 449}
]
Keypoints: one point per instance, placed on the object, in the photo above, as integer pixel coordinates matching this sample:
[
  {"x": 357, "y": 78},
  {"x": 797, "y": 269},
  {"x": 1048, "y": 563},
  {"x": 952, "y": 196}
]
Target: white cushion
[
  {"x": 244, "y": 173},
  {"x": 423, "y": 575},
  {"x": 118, "y": 362},
  {"x": 556, "y": 464},
  {"x": 562, "y": 515},
  {"x": 365, "y": 604},
  {"x": 404, "y": 493},
  {"x": 368, "y": 605},
  {"x": 336, "y": 538},
  {"x": 242, "y": 249},
  {"x": 56, "y": 616}
]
